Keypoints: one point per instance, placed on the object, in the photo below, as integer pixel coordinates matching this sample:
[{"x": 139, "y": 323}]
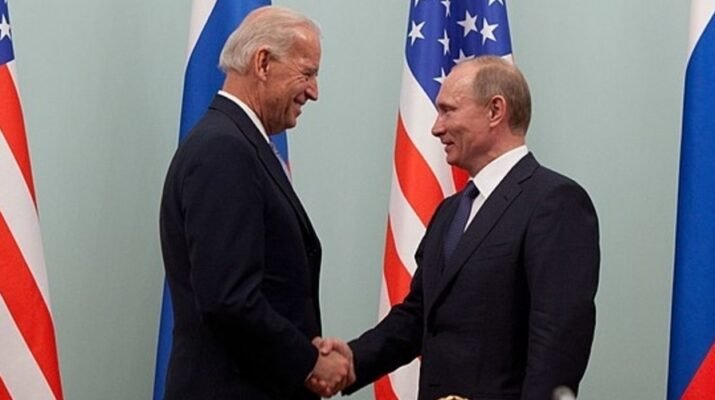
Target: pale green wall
[{"x": 101, "y": 84}]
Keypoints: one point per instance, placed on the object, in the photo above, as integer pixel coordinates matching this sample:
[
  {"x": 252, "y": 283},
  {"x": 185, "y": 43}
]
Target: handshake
[{"x": 334, "y": 370}]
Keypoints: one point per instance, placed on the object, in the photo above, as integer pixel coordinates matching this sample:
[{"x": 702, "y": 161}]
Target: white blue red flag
[
  {"x": 29, "y": 367},
  {"x": 691, "y": 372},
  {"x": 440, "y": 34},
  {"x": 212, "y": 21}
]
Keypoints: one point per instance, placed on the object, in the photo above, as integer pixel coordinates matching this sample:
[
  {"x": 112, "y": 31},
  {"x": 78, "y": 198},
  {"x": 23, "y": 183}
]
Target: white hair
[{"x": 270, "y": 26}]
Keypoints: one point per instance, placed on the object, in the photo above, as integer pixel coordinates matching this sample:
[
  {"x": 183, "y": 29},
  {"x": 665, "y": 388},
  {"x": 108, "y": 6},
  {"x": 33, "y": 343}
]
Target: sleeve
[
  {"x": 561, "y": 261},
  {"x": 224, "y": 224},
  {"x": 394, "y": 342},
  {"x": 397, "y": 339}
]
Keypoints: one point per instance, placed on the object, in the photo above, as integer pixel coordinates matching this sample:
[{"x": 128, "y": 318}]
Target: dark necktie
[{"x": 456, "y": 229}]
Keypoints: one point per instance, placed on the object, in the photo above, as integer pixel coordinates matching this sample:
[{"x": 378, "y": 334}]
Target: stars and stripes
[
  {"x": 440, "y": 34},
  {"x": 6, "y": 52},
  {"x": 29, "y": 366},
  {"x": 691, "y": 372}
]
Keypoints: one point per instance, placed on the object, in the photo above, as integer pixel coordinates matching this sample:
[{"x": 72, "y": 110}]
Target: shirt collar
[
  {"x": 489, "y": 177},
  {"x": 251, "y": 114}
]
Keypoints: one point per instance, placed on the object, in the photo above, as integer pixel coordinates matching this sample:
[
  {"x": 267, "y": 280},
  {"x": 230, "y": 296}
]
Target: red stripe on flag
[
  {"x": 28, "y": 308},
  {"x": 4, "y": 394},
  {"x": 13, "y": 126},
  {"x": 383, "y": 389},
  {"x": 416, "y": 179},
  {"x": 396, "y": 276},
  {"x": 460, "y": 178},
  {"x": 703, "y": 384}
]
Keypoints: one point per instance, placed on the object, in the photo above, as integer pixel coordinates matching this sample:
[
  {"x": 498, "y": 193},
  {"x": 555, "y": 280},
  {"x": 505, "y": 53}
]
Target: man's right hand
[
  {"x": 331, "y": 373},
  {"x": 331, "y": 344}
]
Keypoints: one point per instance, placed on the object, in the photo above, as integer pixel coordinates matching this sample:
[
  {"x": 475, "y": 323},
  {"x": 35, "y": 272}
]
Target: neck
[
  {"x": 246, "y": 90},
  {"x": 509, "y": 141}
]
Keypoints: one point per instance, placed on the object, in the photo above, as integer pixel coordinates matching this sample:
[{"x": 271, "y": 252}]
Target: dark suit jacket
[
  {"x": 511, "y": 315},
  {"x": 242, "y": 262}
]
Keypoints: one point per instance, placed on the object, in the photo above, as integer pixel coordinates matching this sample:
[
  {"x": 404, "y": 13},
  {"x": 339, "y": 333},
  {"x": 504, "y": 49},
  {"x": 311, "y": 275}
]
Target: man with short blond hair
[{"x": 501, "y": 305}]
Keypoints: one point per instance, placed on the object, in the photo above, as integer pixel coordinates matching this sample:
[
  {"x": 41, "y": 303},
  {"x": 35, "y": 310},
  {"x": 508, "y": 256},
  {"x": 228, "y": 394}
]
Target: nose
[
  {"x": 438, "y": 127},
  {"x": 312, "y": 90}
]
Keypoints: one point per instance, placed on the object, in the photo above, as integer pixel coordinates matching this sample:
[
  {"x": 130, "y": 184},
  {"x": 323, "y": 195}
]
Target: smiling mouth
[{"x": 298, "y": 107}]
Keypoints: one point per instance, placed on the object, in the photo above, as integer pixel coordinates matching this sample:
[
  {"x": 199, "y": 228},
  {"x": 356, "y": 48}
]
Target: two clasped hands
[{"x": 334, "y": 369}]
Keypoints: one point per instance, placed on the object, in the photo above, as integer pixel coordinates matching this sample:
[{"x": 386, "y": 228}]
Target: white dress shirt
[
  {"x": 491, "y": 175},
  {"x": 251, "y": 114},
  {"x": 257, "y": 122}
]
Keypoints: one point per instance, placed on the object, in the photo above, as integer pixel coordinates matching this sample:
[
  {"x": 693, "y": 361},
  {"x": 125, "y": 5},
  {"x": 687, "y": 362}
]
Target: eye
[
  {"x": 445, "y": 109},
  {"x": 310, "y": 74}
]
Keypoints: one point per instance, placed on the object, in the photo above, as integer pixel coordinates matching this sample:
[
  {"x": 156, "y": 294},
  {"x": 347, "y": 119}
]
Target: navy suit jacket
[
  {"x": 511, "y": 315},
  {"x": 242, "y": 262}
]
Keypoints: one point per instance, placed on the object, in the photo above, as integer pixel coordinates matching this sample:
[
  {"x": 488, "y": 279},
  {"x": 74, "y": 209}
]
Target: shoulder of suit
[
  {"x": 546, "y": 180},
  {"x": 212, "y": 138},
  {"x": 214, "y": 126},
  {"x": 553, "y": 177}
]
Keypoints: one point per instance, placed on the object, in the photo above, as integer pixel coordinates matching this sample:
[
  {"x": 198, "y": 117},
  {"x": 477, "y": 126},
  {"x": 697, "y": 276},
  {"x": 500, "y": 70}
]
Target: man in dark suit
[
  {"x": 501, "y": 305},
  {"x": 241, "y": 257}
]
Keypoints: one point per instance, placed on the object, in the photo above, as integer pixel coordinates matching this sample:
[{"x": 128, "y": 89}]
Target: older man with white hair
[{"x": 241, "y": 257}]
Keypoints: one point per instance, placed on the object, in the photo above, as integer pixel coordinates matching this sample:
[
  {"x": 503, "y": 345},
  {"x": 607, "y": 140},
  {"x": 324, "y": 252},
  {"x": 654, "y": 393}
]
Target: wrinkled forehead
[
  {"x": 306, "y": 44},
  {"x": 307, "y": 34}
]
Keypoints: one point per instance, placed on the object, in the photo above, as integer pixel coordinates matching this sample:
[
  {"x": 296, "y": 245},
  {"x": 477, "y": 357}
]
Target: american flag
[
  {"x": 28, "y": 353},
  {"x": 440, "y": 34}
]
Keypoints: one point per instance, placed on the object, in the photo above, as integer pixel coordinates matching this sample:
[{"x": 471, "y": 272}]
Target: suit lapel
[
  {"x": 433, "y": 260},
  {"x": 489, "y": 214},
  {"x": 265, "y": 155}
]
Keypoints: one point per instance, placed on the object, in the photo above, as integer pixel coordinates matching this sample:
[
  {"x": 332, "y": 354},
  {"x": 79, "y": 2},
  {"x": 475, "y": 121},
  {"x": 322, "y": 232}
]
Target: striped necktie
[{"x": 280, "y": 160}]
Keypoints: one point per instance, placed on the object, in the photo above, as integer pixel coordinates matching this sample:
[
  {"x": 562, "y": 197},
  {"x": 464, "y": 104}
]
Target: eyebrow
[{"x": 311, "y": 70}]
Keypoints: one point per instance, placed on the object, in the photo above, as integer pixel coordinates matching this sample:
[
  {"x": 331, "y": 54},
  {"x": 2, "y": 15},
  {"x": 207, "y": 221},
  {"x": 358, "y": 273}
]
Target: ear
[
  {"x": 497, "y": 110},
  {"x": 261, "y": 63}
]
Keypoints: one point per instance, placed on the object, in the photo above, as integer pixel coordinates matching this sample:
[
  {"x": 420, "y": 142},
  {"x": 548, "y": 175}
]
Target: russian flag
[
  {"x": 692, "y": 341},
  {"x": 212, "y": 21}
]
